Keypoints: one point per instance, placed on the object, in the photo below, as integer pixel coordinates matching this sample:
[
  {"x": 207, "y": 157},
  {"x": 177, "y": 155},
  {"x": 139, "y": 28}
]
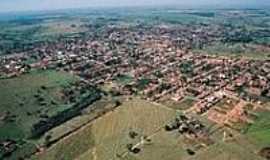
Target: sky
[{"x": 29, "y": 5}]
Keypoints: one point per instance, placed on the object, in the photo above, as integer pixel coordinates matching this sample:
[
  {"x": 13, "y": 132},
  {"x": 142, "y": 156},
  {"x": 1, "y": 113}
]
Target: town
[
  {"x": 159, "y": 65},
  {"x": 155, "y": 67}
]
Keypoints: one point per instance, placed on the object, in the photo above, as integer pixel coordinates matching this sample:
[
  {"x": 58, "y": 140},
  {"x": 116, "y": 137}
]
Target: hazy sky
[{"x": 19, "y": 5}]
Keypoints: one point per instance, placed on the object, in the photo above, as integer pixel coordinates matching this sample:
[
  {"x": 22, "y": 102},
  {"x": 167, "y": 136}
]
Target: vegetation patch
[
  {"x": 24, "y": 101},
  {"x": 259, "y": 131},
  {"x": 185, "y": 103}
]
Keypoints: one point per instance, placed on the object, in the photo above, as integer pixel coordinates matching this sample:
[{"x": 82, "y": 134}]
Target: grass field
[
  {"x": 226, "y": 151},
  {"x": 259, "y": 132},
  {"x": 235, "y": 51},
  {"x": 19, "y": 106},
  {"x": 184, "y": 104},
  {"x": 110, "y": 134}
]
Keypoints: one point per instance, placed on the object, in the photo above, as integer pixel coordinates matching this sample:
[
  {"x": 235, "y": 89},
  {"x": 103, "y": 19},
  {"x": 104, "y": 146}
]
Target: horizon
[{"x": 50, "y": 5}]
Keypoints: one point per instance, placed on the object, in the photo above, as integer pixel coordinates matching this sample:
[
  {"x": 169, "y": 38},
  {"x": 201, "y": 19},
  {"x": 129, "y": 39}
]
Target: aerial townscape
[{"x": 135, "y": 84}]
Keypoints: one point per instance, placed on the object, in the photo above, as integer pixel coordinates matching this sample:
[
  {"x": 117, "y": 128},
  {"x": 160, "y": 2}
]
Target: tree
[
  {"x": 133, "y": 134},
  {"x": 47, "y": 140}
]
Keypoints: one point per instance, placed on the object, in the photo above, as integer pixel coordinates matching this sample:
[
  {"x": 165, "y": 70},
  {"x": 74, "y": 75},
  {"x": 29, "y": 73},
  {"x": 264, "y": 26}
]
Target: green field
[
  {"x": 20, "y": 104},
  {"x": 27, "y": 99},
  {"x": 259, "y": 132}
]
